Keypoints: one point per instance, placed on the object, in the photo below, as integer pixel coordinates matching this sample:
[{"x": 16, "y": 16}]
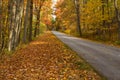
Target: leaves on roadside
[{"x": 46, "y": 59}]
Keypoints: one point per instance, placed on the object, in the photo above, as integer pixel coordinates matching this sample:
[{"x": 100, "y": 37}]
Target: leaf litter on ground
[{"x": 46, "y": 58}]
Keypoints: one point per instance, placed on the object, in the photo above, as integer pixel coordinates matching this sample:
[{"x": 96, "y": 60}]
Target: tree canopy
[{"x": 98, "y": 19}]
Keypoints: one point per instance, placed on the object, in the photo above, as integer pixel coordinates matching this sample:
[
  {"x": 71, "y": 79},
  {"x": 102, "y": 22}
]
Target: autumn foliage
[{"x": 98, "y": 19}]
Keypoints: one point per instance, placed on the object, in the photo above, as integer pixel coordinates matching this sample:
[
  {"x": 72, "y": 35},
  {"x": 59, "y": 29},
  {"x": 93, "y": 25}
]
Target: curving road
[{"x": 105, "y": 59}]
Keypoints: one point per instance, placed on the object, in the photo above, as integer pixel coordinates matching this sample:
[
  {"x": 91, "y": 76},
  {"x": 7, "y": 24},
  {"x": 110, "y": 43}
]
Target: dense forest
[
  {"x": 20, "y": 21},
  {"x": 93, "y": 19}
]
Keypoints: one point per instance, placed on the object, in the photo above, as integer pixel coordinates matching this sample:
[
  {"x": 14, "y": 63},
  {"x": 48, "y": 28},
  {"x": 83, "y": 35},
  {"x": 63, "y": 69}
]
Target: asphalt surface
[{"x": 105, "y": 59}]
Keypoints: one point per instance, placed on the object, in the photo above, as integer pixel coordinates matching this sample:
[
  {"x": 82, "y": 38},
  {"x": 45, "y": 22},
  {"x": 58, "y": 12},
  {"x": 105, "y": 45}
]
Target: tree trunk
[
  {"x": 31, "y": 17},
  {"x": 38, "y": 21},
  {"x": 12, "y": 11},
  {"x": 117, "y": 17},
  {"x": 36, "y": 31},
  {"x": 77, "y": 6},
  {"x": 26, "y": 21},
  {"x": 0, "y": 25},
  {"x": 103, "y": 20},
  {"x": 19, "y": 13}
]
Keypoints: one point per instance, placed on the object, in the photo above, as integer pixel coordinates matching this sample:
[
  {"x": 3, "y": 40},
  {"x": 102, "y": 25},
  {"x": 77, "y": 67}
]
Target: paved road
[{"x": 105, "y": 59}]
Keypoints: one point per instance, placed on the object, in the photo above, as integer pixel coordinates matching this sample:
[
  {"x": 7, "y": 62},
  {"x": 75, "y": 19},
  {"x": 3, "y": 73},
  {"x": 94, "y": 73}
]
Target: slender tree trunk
[
  {"x": 37, "y": 28},
  {"x": 31, "y": 17},
  {"x": 77, "y": 6},
  {"x": 38, "y": 24},
  {"x": 109, "y": 24},
  {"x": 35, "y": 32},
  {"x": 117, "y": 17},
  {"x": 103, "y": 21},
  {"x": 26, "y": 21},
  {"x": 84, "y": 23},
  {"x": 0, "y": 25},
  {"x": 103, "y": 12}
]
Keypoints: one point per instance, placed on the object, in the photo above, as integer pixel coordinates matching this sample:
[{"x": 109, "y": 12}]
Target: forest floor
[{"x": 46, "y": 58}]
